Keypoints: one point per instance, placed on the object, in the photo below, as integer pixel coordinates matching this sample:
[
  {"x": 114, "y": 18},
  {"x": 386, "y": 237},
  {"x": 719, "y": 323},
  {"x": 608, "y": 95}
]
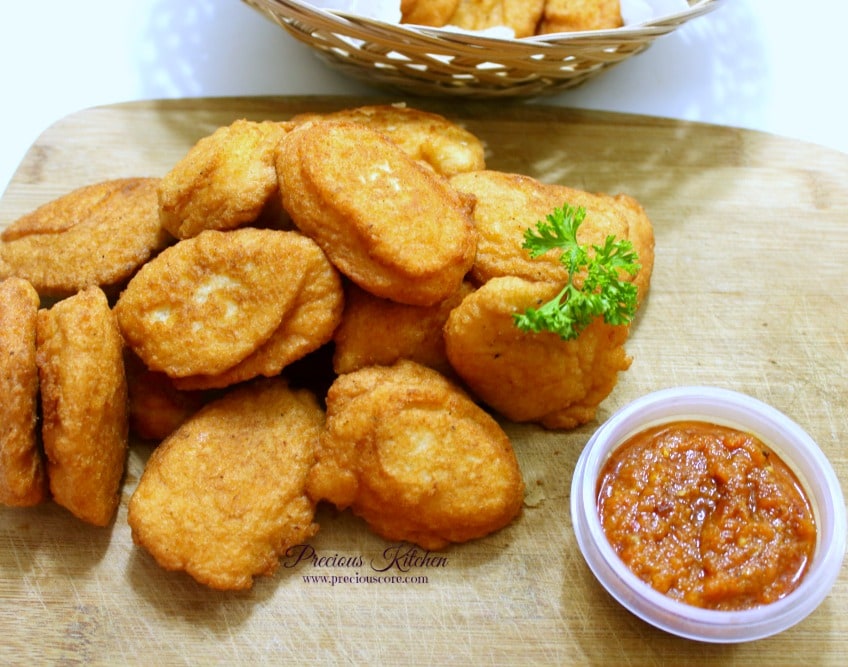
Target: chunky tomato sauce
[{"x": 707, "y": 515}]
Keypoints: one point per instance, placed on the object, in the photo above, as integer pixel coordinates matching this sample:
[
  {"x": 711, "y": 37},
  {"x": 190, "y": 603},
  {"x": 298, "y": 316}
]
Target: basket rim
[
  {"x": 345, "y": 22},
  {"x": 426, "y": 60}
]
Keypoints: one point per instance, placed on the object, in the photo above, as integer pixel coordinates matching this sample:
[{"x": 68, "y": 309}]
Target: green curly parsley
[{"x": 603, "y": 293}]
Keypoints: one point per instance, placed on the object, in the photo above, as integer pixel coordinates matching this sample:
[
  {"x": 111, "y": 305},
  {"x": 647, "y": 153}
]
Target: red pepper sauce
[{"x": 707, "y": 515}]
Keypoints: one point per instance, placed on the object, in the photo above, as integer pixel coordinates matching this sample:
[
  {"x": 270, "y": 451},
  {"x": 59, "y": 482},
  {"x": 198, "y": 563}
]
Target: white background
[{"x": 770, "y": 65}]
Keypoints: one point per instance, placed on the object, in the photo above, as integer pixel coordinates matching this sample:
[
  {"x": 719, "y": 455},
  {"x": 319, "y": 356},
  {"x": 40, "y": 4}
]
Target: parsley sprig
[{"x": 603, "y": 291}]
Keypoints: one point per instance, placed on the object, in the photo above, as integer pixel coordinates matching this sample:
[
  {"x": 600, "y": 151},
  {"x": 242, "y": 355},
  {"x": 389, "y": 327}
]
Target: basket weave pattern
[{"x": 433, "y": 61}]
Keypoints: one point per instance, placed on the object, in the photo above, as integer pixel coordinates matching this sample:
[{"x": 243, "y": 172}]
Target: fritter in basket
[
  {"x": 521, "y": 15},
  {"x": 578, "y": 15},
  {"x": 434, "y": 13}
]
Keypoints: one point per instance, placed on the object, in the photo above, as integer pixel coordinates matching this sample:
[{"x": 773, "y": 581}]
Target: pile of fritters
[
  {"x": 525, "y": 17},
  {"x": 303, "y": 311}
]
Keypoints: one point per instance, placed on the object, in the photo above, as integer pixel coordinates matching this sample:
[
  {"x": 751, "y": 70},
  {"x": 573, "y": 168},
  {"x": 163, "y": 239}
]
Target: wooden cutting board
[{"x": 750, "y": 292}]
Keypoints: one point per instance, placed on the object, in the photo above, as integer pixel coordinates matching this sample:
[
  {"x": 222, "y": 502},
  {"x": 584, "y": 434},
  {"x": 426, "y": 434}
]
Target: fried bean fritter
[
  {"x": 508, "y": 204},
  {"x": 435, "y": 13},
  {"x": 520, "y": 15},
  {"x": 395, "y": 228},
  {"x": 411, "y": 454},
  {"x": 576, "y": 15},
  {"x": 156, "y": 407},
  {"x": 99, "y": 234},
  {"x": 430, "y": 138},
  {"x": 23, "y": 481},
  {"x": 84, "y": 404},
  {"x": 641, "y": 234},
  {"x": 223, "y": 496},
  {"x": 532, "y": 377},
  {"x": 207, "y": 303},
  {"x": 225, "y": 181},
  {"x": 307, "y": 324},
  {"x": 377, "y": 331}
]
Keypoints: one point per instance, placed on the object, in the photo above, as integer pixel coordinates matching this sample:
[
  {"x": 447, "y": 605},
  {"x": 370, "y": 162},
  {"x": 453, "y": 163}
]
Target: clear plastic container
[{"x": 787, "y": 439}]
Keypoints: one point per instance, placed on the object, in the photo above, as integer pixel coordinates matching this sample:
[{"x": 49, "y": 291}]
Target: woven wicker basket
[{"x": 431, "y": 61}]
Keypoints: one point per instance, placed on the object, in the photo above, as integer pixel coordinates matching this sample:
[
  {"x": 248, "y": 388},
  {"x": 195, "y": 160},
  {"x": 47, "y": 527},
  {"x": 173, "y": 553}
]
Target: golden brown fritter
[
  {"x": 395, "y": 228},
  {"x": 532, "y": 377},
  {"x": 508, "y": 204},
  {"x": 307, "y": 324},
  {"x": 22, "y": 477},
  {"x": 156, "y": 407},
  {"x": 435, "y": 13},
  {"x": 377, "y": 331},
  {"x": 223, "y": 497},
  {"x": 520, "y": 15},
  {"x": 224, "y": 181},
  {"x": 207, "y": 303},
  {"x": 415, "y": 457},
  {"x": 575, "y": 15},
  {"x": 84, "y": 404},
  {"x": 430, "y": 138},
  {"x": 99, "y": 234}
]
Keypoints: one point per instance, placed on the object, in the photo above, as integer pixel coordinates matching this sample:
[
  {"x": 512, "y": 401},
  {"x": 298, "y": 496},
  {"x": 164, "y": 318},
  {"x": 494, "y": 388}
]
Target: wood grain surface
[{"x": 750, "y": 292}]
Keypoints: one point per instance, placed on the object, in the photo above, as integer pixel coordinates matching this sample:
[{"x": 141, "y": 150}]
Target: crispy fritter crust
[
  {"x": 532, "y": 377},
  {"x": 223, "y": 496},
  {"x": 377, "y": 331},
  {"x": 415, "y": 457},
  {"x": 641, "y": 234},
  {"x": 307, "y": 324},
  {"x": 84, "y": 404},
  {"x": 508, "y": 204},
  {"x": 395, "y": 228},
  {"x": 224, "y": 181},
  {"x": 575, "y": 15},
  {"x": 430, "y": 138},
  {"x": 208, "y": 302},
  {"x": 22, "y": 476},
  {"x": 99, "y": 234},
  {"x": 520, "y": 15}
]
